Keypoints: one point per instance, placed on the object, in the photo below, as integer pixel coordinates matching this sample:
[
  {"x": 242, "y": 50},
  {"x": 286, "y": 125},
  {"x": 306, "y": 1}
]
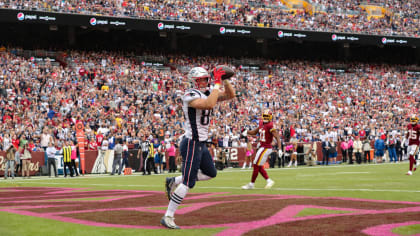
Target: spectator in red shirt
[
  {"x": 31, "y": 145},
  {"x": 7, "y": 117},
  {"x": 99, "y": 138},
  {"x": 93, "y": 145},
  {"x": 15, "y": 141},
  {"x": 362, "y": 133}
]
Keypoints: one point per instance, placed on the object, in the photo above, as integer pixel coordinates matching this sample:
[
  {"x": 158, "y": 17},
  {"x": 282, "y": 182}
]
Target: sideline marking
[
  {"x": 226, "y": 170},
  {"x": 338, "y": 173},
  {"x": 229, "y": 187}
]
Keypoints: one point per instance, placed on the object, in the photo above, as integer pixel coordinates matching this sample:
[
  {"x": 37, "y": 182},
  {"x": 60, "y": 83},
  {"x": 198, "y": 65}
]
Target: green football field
[{"x": 326, "y": 200}]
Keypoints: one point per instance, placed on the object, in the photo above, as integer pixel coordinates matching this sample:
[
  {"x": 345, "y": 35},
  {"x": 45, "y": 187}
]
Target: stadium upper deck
[{"x": 372, "y": 17}]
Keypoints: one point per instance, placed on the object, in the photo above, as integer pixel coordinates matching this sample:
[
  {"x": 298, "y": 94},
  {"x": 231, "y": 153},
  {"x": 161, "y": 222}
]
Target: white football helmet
[{"x": 197, "y": 73}]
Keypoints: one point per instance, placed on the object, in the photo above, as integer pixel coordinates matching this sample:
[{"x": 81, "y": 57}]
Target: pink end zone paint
[
  {"x": 286, "y": 214},
  {"x": 387, "y": 229}
]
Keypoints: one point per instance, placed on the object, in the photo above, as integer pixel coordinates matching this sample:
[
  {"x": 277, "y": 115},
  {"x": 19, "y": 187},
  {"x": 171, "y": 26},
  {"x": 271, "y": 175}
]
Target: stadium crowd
[
  {"x": 117, "y": 97},
  {"x": 339, "y": 16}
]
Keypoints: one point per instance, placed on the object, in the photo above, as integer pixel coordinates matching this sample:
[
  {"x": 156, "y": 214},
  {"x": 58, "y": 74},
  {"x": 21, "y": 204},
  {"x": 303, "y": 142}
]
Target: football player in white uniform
[{"x": 197, "y": 163}]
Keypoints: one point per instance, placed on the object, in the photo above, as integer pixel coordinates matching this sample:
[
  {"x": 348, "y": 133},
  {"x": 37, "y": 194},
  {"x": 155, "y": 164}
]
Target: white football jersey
[{"x": 196, "y": 120}]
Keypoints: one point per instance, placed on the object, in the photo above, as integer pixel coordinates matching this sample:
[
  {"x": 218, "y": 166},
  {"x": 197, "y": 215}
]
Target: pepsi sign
[
  {"x": 162, "y": 26},
  {"x": 282, "y": 34},
  {"x": 385, "y": 40},
  {"x": 335, "y": 37},
  {"x": 20, "y": 16},
  {"x": 93, "y": 21},
  {"x": 223, "y": 30}
]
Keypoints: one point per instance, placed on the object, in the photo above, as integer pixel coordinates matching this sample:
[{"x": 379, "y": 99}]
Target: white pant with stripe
[{"x": 262, "y": 155}]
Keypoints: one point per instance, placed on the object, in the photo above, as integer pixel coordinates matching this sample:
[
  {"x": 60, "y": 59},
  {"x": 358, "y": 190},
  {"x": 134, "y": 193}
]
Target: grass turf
[
  {"x": 381, "y": 182},
  {"x": 29, "y": 226},
  {"x": 407, "y": 230},
  {"x": 316, "y": 211}
]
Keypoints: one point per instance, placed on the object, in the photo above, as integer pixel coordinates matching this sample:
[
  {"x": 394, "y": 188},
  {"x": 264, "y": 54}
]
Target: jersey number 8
[{"x": 205, "y": 117}]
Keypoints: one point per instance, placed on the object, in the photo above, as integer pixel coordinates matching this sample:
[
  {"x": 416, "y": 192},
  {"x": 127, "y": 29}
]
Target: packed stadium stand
[
  {"x": 126, "y": 81},
  {"x": 379, "y": 17},
  {"x": 128, "y": 95}
]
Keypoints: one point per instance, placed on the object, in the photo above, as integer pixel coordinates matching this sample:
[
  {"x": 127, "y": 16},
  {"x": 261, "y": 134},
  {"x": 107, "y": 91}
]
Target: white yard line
[
  {"x": 338, "y": 173},
  {"x": 227, "y": 170},
  {"x": 44, "y": 179},
  {"x": 315, "y": 167},
  {"x": 227, "y": 187},
  {"x": 325, "y": 189},
  {"x": 82, "y": 184}
]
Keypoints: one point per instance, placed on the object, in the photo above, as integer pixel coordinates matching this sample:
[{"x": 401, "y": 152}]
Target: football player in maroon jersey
[
  {"x": 266, "y": 131},
  {"x": 413, "y": 135}
]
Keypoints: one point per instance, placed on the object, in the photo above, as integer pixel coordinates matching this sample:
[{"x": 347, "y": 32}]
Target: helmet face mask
[
  {"x": 267, "y": 116},
  {"x": 414, "y": 119},
  {"x": 196, "y": 77}
]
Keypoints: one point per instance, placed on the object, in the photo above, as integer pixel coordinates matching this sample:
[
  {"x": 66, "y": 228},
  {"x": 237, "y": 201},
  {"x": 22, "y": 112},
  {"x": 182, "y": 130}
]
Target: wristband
[{"x": 216, "y": 86}]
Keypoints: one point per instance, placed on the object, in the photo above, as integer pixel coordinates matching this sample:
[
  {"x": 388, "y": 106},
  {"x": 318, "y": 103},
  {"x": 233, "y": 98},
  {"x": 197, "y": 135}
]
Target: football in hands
[{"x": 228, "y": 72}]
